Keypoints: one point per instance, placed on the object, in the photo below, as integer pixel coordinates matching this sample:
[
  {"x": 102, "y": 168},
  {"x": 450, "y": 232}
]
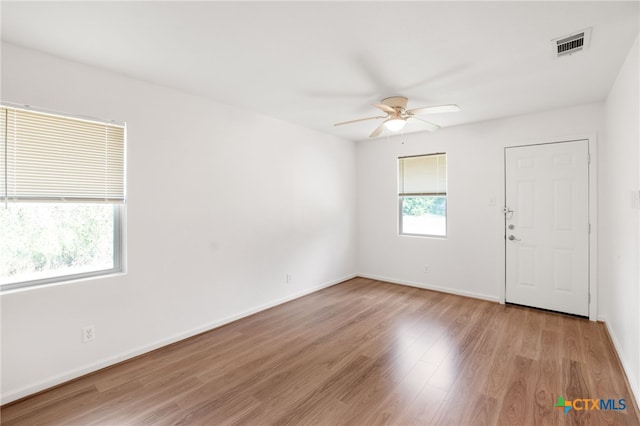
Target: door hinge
[
  {"x": 589, "y": 229},
  {"x": 589, "y": 298},
  {"x": 588, "y": 158}
]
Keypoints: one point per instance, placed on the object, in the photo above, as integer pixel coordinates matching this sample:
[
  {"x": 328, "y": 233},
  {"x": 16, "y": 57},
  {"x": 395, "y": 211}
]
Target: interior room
[{"x": 280, "y": 253}]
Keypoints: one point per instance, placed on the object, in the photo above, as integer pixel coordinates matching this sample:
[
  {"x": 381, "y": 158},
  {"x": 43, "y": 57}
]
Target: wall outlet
[
  {"x": 88, "y": 333},
  {"x": 289, "y": 278},
  {"x": 426, "y": 269}
]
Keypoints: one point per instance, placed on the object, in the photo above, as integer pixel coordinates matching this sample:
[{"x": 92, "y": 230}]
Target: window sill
[
  {"x": 434, "y": 237},
  {"x": 54, "y": 282}
]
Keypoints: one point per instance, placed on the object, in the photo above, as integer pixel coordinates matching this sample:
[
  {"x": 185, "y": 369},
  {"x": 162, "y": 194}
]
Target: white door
[{"x": 547, "y": 226}]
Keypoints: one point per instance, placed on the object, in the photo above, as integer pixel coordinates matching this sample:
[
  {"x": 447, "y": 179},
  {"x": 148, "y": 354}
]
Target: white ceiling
[{"x": 317, "y": 63}]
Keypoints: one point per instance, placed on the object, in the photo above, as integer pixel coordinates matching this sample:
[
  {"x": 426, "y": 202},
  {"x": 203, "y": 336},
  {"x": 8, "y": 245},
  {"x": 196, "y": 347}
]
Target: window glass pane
[
  {"x": 46, "y": 240},
  {"x": 424, "y": 215}
]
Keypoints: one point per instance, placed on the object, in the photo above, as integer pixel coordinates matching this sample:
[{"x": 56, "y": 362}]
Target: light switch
[{"x": 635, "y": 199}]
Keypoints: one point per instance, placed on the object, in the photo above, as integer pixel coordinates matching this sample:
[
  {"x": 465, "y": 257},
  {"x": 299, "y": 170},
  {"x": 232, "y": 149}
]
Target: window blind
[
  {"x": 46, "y": 157},
  {"x": 423, "y": 175}
]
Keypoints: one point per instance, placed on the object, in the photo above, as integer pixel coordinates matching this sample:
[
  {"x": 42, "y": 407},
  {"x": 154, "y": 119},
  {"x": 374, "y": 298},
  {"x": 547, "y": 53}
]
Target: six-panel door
[{"x": 547, "y": 226}]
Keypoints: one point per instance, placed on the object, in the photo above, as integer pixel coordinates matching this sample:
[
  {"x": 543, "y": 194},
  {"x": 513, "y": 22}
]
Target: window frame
[
  {"x": 119, "y": 213},
  {"x": 402, "y": 196}
]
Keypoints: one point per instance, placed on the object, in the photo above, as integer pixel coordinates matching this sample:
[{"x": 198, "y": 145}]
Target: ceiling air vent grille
[{"x": 573, "y": 43}]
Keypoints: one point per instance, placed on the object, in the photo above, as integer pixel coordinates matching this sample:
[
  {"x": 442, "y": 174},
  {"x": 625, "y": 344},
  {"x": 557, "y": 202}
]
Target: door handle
[{"x": 513, "y": 238}]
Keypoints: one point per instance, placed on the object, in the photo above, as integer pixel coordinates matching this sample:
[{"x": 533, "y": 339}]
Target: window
[
  {"x": 422, "y": 195},
  {"x": 62, "y": 183}
]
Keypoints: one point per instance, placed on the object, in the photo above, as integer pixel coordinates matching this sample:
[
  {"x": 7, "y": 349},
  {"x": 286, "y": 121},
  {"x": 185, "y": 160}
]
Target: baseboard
[
  {"x": 432, "y": 287},
  {"x": 632, "y": 379},
  {"x": 108, "y": 362}
]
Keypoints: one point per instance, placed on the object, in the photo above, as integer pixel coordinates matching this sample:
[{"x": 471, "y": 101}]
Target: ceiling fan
[{"x": 398, "y": 114}]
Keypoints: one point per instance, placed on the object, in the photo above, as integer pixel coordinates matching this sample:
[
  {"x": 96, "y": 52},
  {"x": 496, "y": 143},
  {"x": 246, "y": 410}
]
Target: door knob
[{"x": 513, "y": 238}]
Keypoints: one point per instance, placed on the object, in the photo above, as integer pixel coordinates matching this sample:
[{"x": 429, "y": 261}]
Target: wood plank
[{"x": 361, "y": 352}]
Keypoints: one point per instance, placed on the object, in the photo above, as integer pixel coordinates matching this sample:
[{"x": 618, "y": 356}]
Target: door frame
[{"x": 593, "y": 217}]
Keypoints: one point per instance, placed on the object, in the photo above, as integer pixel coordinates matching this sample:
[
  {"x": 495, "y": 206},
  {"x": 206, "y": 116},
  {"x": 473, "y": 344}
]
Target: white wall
[
  {"x": 470, "y": 260},
  {"x": 619, "y": 222},
  {"x": 222, "y": 204}
]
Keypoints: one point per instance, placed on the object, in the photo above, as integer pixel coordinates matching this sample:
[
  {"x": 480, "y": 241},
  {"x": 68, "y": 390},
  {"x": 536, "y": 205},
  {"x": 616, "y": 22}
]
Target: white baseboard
[
  {"x": 73, "y": 374},
  {"x": 632, "y": 378},
  {"x": 432, "y": 287}
]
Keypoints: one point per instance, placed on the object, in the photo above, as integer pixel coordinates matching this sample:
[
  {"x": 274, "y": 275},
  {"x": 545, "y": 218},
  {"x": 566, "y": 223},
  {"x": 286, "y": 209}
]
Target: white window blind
[
  {"x": 47, "y": 157},
  {"x": 423, "y": 175}
]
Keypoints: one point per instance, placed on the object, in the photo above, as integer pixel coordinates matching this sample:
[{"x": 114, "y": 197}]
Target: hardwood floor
[{"x": 364, "y": 353}]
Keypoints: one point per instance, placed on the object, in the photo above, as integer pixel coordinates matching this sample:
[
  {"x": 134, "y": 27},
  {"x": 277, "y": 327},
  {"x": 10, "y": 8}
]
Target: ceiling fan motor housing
[{"x": 396, "y": 102}]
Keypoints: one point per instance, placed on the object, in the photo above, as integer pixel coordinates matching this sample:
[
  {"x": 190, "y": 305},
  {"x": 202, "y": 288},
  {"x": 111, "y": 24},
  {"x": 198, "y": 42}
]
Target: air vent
[{"x": 566, "y": 45}]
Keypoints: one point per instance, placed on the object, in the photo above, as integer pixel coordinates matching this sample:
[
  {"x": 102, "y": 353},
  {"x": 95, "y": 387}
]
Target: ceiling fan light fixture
[
  {"x": 397, "y": 114},
  {"x": 395, "y": 124}
]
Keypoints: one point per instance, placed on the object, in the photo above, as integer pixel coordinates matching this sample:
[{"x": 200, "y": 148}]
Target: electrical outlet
[
  {"x": 426, "y": 269},
  {"x": 289, "y": 278},
  {"x": 88, "y": 333}
]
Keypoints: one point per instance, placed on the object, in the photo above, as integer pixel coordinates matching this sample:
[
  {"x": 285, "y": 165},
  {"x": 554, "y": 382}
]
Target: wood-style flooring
[{"x": 362, "y": 352}]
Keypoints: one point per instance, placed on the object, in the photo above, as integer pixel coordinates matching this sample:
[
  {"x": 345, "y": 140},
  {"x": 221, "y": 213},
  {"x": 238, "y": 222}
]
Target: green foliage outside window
[
  {"x": 58, "y": 238},
  {"x": 418, "y": 206}
]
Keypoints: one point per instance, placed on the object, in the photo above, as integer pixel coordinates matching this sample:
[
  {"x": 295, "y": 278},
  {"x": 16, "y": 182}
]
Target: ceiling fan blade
[
  {"x": 434, "y": 109},
  {"x": 377, "y": 131},
  {"x": 427, "y": 125},
  {"x": 385, "y": 108},
  {"x": 359, "y": 119}
]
